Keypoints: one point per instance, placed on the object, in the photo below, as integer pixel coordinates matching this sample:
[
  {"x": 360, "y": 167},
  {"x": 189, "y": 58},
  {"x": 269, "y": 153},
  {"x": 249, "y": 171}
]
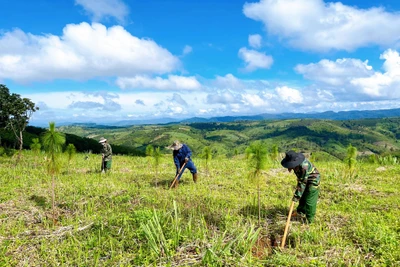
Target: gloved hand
[
  {"x": 186, "y": 160},
  {"x": 295, "y": 199}
]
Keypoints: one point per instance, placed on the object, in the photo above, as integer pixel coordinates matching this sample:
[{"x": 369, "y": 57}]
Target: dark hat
[
  {"x": 292, "y": 159},
  {"x": 176, "y": 145}
]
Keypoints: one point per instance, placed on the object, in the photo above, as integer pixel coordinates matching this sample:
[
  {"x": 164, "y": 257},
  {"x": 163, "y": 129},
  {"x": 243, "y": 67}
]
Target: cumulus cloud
[
  {"x": 337, "y": 72},
  {"x": 255, "y": 40},
  {"x": 382, "y": 85},
  {"x": 289, "y": 95},
  {"x": 318, "y": 26},
  {"x": 139, "y": 102},
  {"x": 176, "y": 98},
  {"x": 353, "y": 79},
  {"x": 223, "y": 97},
  {"x": 101, "y": 9},
  {"x": 83, "y": 52},
  {"x": 173, "y": 82},
  {"x": 254, "y": 59},
  {"x": 187, "y": 50},
  {"x": 106, "y": 102}
]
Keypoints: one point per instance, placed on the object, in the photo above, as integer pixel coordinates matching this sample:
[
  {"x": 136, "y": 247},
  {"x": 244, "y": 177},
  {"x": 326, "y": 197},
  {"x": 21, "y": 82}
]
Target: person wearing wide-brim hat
[
  {"x": 106, "y": 155},
  {"x": 308, "y": 179},
  {"x": 182, "y": 154}
]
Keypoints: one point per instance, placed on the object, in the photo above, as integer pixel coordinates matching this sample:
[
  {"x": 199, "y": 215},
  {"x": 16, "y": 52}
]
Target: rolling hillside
[{"x": 378, "y": 136}]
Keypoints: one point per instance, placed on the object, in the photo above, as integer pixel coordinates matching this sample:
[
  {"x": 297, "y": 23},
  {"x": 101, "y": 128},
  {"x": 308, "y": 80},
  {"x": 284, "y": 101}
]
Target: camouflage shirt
[
  {"x": 307, "y": 175},
  {"x": 107, "y": 151}
]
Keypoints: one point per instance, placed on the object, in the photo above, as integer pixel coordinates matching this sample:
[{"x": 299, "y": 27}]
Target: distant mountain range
[{"x": 331, "y": 115}]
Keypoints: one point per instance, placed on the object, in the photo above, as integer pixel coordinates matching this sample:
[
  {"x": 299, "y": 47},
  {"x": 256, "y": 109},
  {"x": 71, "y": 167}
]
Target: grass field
[{"x": 129, "y": 217}]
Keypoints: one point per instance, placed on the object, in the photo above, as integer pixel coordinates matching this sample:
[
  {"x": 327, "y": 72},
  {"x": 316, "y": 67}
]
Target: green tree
[
  {"x": 15, "y": 113},
  {"x": 257, "y": 160},
  {"x": 53, "y": 142}
]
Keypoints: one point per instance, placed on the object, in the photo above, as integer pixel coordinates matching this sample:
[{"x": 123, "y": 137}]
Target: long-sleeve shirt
[
  {"x": 307, "y": 175},
  {"x": 107, "y": 152},
  {"x": 180, "y": 155}
]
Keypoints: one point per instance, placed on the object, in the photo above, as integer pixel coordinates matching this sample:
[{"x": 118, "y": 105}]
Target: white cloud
[
  {"x": 173, "y": 82},
  {"x": 255, "y": 40},
  {"x": 84, "y": 51},
  {"x": 100, "y": 9},
  {"x": 337, "y": 72},
  {"x": 385, "y": 84},
  {"x": 253, "y": 100},
  {"x": 254, "y": 59},
  {"x": 187, "y": 50},
  {"x": 223, "y": 97},
  {"x": 289, "y": 95},
  {"x": 318, "y": 26},
  {"x": 352, "y": 79}
]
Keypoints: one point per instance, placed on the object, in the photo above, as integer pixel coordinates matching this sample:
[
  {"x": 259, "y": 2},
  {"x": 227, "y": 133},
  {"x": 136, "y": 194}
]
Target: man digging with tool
[
  {"x": 106, "y": 155},
  {"x": 182, "y": 154},
  {"x": 307, "y": 189}
]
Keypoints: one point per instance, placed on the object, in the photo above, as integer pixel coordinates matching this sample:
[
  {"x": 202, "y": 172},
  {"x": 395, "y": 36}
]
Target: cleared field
[{"x": 129, "y": 217}]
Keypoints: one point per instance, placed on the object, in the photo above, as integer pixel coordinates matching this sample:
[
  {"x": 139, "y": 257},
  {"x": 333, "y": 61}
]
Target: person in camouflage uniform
[
  {"x": 106, "y": 155},
  {"x": 308, "y": 179}
]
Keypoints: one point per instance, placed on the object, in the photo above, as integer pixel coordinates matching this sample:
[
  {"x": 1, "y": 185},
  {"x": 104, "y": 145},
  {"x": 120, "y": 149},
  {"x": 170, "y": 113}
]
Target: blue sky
[{"x": 109, "y": 60}]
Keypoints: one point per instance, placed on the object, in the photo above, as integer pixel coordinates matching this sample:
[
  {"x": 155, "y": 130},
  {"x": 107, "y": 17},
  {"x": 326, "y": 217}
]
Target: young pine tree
[
  {"x": 35, "y": 147},
  {"x": 207, "y": 155},
  {"x": 71, "y": 151},
  {"x": 52, "y": 142},
  {"x": 351, "y": 158},
  {"x": 257, "y": 160}
]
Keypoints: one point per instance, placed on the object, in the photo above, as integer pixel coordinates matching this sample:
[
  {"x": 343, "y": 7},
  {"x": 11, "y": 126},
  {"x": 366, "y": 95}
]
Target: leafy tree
[
  {"x": 15, "y": 113},
  {"x": 257, "y": 161},
  {"x": 52, "y": 142}
]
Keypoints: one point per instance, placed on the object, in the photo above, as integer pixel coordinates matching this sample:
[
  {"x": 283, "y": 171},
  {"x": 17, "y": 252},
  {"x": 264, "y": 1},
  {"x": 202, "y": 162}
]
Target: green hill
[{"x": 378, "y": 136}]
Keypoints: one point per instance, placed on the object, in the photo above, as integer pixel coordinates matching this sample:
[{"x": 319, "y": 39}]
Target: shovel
[
  {"x": 287, "y": 225},
  {"x": 176, "y": 177}
]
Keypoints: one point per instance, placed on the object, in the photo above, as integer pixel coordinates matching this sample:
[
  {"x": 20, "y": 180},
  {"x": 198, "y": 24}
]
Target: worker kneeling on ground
[
  {"x": 307, "y": 190},
  {"x": 182, "y": 154}
]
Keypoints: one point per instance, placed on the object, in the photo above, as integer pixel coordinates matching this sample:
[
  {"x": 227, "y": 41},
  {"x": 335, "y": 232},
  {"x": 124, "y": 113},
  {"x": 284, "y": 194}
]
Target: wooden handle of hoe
[
  {"x": 176, "y": 177},
  {"x": 287, "y": 225}
]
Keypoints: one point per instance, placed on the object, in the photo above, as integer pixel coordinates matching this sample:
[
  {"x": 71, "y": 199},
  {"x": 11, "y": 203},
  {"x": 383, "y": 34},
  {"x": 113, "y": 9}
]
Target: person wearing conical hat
[
  {"x": 308, "y": 179},
  {"x": 182, "y": 154},
  {"x": 106, "y": 155}
]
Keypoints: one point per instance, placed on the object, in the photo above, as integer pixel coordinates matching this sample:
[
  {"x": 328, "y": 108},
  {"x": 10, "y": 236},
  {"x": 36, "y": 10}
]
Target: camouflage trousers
[
  {"x": 106, "y": 165},
  {"x": 308, "y": 203}
]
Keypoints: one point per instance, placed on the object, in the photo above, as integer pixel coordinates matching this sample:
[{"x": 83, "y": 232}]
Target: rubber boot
[{"x": 195, "y": 177}]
